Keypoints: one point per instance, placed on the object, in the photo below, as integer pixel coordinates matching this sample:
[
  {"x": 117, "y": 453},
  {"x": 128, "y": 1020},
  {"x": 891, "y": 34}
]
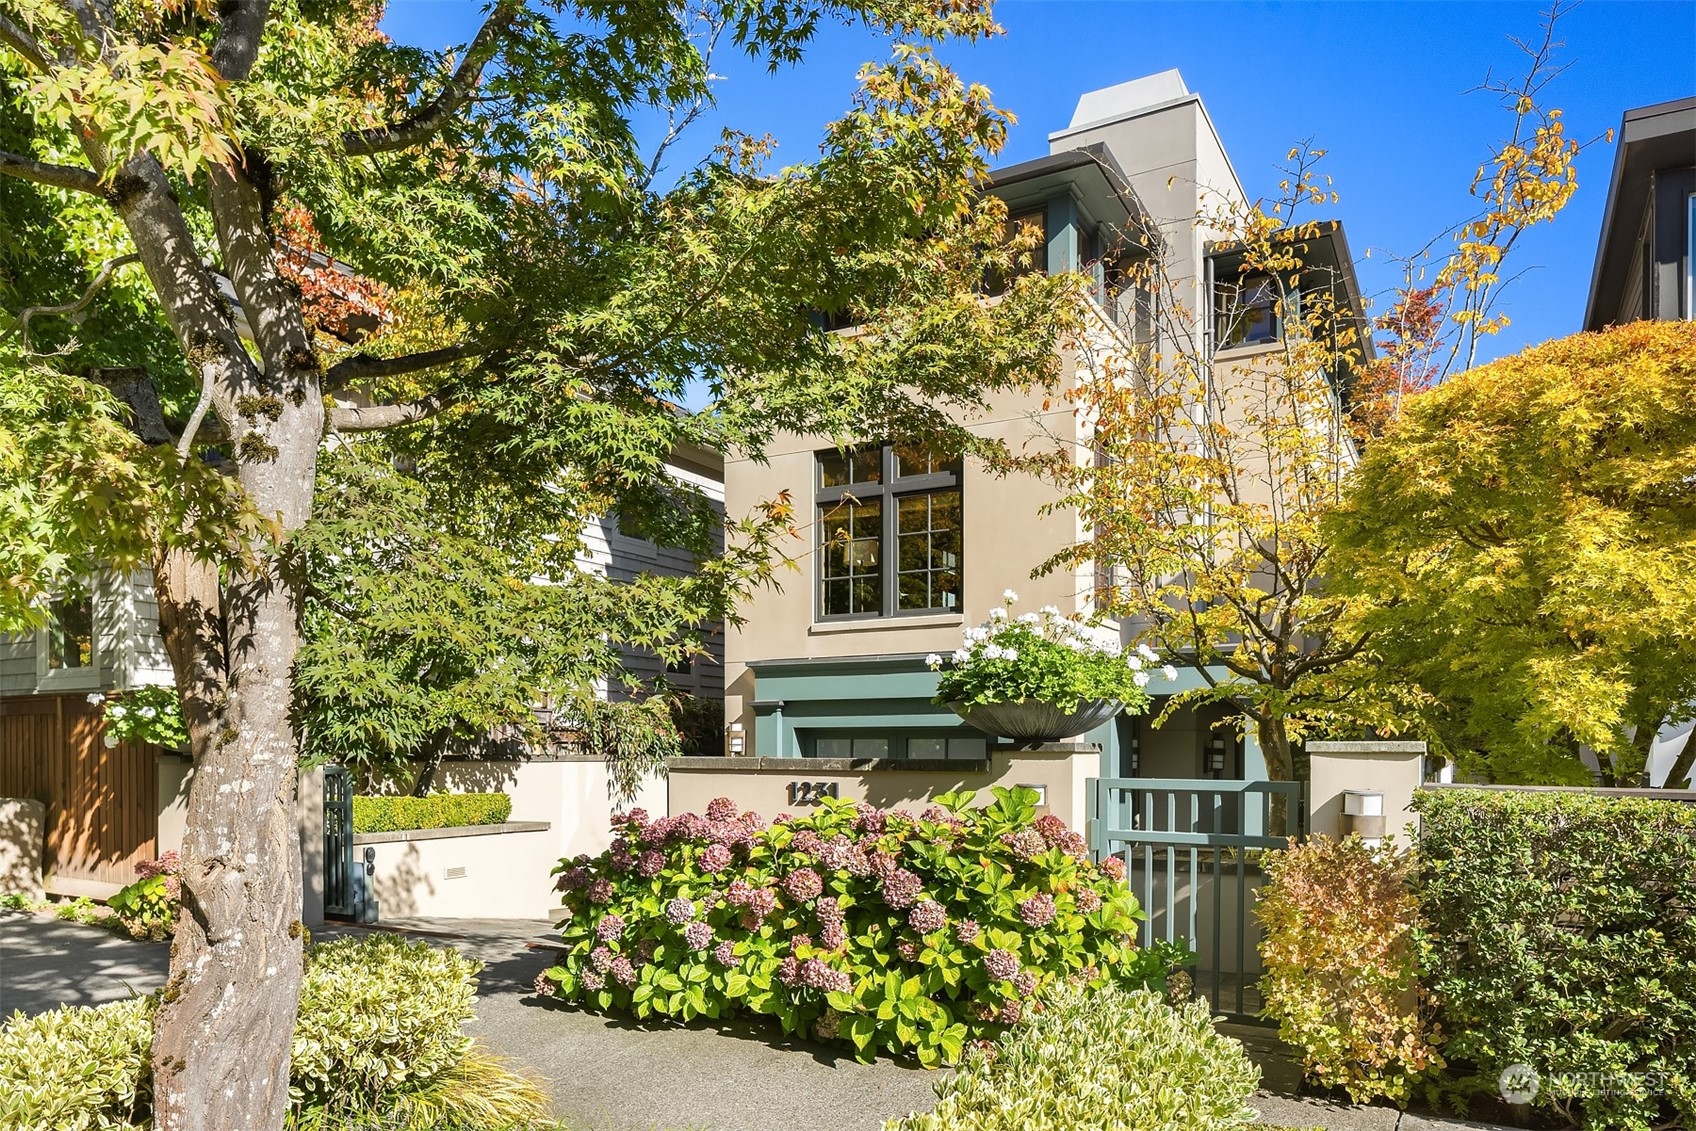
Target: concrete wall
[
  {"x": 762, "y": 784},
  {"x": 1394, "y": 769},
  {"x": 569, "y": 793},
  {"x": 491, "y": 872},
  {"x": 175, "y": 773}
]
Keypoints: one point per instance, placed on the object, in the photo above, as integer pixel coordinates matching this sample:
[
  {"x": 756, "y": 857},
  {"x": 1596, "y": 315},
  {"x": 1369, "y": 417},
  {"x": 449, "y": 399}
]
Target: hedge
[
  {"x": 1561, "y": 934},
  {"x": 914, "y": 934},
  {"x": 438, "y": 811}
]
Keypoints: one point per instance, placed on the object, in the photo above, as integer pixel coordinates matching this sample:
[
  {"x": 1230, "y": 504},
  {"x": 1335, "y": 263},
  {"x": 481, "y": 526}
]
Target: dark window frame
[
  {"x": 889, "y": 490},
  {"x": 899, "y": 740},
  {"x": 1278, "y": 293}
]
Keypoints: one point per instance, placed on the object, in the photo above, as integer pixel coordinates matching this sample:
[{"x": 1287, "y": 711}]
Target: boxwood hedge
[
  {"x": 438, "y": 811},
  {"x": 911, "y": 934}
]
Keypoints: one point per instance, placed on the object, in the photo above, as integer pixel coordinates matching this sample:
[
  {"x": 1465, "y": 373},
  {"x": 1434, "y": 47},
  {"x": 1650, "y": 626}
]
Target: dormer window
[{"x": 1246, "y": 311}]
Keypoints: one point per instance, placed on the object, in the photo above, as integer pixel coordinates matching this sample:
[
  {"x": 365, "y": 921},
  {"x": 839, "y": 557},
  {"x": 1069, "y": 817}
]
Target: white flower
[
  {"x": 961, "y": 655},
  {"x": 1170, "y": 672},
  {"x": 1133, "y": 661},
  {"x": 96, "y": 698},
  {"x": 976, "y": 635},
  {"x": 1009, "y": 596},
  {"x": 117, "y": 710},
  {"x": 1050, "y": 612},
  {"x": 1009, "y": 653},
  {"x": 148, "y": 712},
  {"x": 933, "y": 661},
  {"x": 999, "y": 614},
  {"x": 1148, "y": 653},
  {"x": 1028, "y": 618},
  {"x": 1141, "y": 679}
]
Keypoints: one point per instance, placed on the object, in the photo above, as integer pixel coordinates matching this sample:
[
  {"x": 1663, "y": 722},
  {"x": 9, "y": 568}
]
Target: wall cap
[
  {"x": 805, "y": 767},
  {"x": 400, "y": 835},
  {"x": 1366, "y": 747}
]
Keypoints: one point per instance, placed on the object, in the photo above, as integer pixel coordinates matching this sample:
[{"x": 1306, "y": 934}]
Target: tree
[
  {"x": 1210, "y": 482},
  {"x": 1524, "y": 538},
  {"x": 555, "y": 288}
]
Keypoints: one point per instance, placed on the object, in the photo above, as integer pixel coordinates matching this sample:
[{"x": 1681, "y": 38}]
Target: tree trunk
[
  {"x": 1280, "y": 766},
  {"x": 226, "y": 1017},
  {"x": 1679, "y": 776}
]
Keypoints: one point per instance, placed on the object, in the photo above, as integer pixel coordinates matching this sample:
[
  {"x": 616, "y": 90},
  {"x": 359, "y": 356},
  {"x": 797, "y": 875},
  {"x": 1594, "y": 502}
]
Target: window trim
[
  {"x": 898, "y": 738},
  {"x": 69, "y": 679},
  {"x": 889, "y": 490}
]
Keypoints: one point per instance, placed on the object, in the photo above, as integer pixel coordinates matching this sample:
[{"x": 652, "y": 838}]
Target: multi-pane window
[
  {"x": 1246, "y": 312},
  {"x": 889, "y": 532},
  {"x": 936, "y": 744},
  {"x": 70, "y": 635}
]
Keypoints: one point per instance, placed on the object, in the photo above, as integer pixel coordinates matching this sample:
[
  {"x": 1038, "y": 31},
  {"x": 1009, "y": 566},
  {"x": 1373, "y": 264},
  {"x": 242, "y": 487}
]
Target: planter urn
[{"x": 1032, "y": 720}]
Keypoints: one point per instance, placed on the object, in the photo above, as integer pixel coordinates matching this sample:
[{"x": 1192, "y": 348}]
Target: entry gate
[
  {"x": 339, "y": 895},
  {"x": 1191, "y": 850}
]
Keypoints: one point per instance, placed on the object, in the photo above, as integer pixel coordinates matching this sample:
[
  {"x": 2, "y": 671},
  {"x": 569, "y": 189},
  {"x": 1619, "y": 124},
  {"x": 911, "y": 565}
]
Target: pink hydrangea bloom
[
  {"x": 1114, "y": 866},
  {"x": 1050, "y": 827},
  {"x": 651, "y": 863},
  {"x": 740, "y": 893},
  {"x": 715, "y": 859},
  {"x": 637, "y": 816},
  {"x": 544, "y": 986},
  {"x": 901, "y": 888},
  {"x": 601, "y": 958},
  {"x": 907, "y": 949},
  {"x": 820, "y": 975},
  {"x": 1038, "y": 910},
  {"x": 926, "y": 916},
  {"x": 725, "y": 953},
  {"x": 1088, "y": 900},
  {"x": 698, "y": 935},
  {"x": 828, "y": 910},
  {"x": 802, "y": 884},
  {"x": 790, "y": 971},
  {"x": 871, "y": 821},
  {"x": 600, "y": 891},
  {"x": 609, "y": 928},
  {"x": 1000, "y": 965},
  {"x": 800, "y": 939},
  {"x": 623, "y": 972},
  {"x": 836, "y": 853},
  {"x": 965, "y": 931},
  {"x": 1026, "y": 844},
  {"x": 622, "y": 859},
  {"x": 1011, "y": 1013},
  {"x": 833, "y": 937},
  {"x": 593, "y": 980},
  {"x": 806, "y": 841},
  {"x": 680, "y": 910},
  {"x": 1024, "y": 982},
  {"x": 721, "y": 809}
]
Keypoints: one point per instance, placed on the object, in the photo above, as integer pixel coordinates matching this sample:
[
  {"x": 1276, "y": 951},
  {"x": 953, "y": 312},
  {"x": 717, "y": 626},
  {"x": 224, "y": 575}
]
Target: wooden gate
[{"x": 102, "y": 802}]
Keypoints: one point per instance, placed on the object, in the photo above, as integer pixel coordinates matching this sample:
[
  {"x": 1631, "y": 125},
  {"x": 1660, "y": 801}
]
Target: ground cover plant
[
  {"x": 893, "y": 932},
  {"x": 379, "y": 1043},
  {"x": 1107, "y": 1058}
]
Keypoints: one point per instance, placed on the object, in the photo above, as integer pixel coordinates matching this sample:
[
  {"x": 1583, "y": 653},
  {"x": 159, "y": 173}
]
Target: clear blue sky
[{"x": 1380, "y": 85}]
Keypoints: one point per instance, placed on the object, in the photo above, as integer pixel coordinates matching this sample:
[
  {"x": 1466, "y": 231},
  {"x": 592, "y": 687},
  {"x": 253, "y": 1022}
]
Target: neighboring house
[
  {"x": 1646, "y": 260},
  {"x": 906, "y": 550},
  {"x": 1646, "y": 256}
]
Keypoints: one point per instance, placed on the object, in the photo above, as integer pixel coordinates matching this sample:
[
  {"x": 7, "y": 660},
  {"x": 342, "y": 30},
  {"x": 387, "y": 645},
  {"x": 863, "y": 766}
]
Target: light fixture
[
  {"x": 1363, "y": 813},
  {"x": 1214, "y": 762},
  {"x": 737, "y": 742}
]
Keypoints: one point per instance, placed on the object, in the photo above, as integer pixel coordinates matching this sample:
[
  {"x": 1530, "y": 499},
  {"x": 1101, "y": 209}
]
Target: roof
[
  {"x": 1090, "y": 171},
  {"x": 1650, "y": 138}
]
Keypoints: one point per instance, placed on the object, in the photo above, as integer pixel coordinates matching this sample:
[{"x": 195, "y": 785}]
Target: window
[
  {"x": 66, "y": 645},
  {"x": 889, "y": 532},
  {"x": 1246, "y": 312},
  {"x": 932, "y": 744}
]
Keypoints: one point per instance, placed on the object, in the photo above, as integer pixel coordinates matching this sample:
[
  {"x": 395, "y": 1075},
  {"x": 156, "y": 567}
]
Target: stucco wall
[
  {"x": 570, "y": 794},
  {"x": 1394, "y": 769},
  {"x": 762, "y": 784},
  {"x": 476, "y": 875}
]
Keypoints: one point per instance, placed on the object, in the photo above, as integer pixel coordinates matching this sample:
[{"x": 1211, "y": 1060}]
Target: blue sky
[{"x": 1381, "y": 86}]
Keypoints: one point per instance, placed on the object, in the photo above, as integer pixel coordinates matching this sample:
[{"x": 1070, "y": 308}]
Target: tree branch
[
  {"x": 240, "y": 25},
  {"x": 426, "y": 120},
  {"x": 364, "y": 365},
  {"x": 45, "y": 173},
  {"x": 20, "y": 324},
  {"x": 375, "y": 418},
  {"x": 22, "y": 42}
]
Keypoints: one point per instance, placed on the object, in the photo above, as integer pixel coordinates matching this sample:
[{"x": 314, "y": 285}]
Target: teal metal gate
[
  {"x": 1191, "y": 850},
  {"x": 340, "y": 898}
]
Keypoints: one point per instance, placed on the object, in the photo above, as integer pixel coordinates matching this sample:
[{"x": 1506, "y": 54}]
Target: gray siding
[{"x": 127, "y": 645}]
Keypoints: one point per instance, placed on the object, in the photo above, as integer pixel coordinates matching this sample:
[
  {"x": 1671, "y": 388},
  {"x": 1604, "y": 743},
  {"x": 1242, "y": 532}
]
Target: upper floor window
[
  {"x": 1246, "y": 311},
  {"x": 889, "y": 532},
  {"x": 66, "y": 645}
]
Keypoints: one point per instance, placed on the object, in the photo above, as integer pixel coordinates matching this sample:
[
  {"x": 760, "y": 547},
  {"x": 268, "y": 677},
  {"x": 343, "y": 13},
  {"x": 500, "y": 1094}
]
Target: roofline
[
  {"x": 1329, "y": 230},
  {"x": 1098, "y": 156},
  {"x": 1635, "y": 114},
  {"x": 1192, "y": 96}
]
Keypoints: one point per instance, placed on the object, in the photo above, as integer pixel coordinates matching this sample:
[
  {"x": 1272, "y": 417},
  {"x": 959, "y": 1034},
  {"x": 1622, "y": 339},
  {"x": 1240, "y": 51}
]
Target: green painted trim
[{"x": 1062, "y": 234}]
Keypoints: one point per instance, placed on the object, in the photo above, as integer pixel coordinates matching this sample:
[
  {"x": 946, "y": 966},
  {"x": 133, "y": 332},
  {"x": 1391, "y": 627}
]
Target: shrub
[
  {"x": 438, "y": 811},
  {"x": 1341, "y": 966},
  {"x": 378, "y": 1043},
  {"x": 888, "y": 931},
  {"x": 1044, "y": 656},
  {"x": 78, "y": 1068},
  {"x": 1561, "y": 935},
  {"x": 147, "y": 909},
  {"x": 145, "y": 714},
  {"x": 1107, "y": 1059}
]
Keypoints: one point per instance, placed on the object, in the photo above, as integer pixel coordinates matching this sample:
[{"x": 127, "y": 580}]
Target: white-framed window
[{"x": 66, "y": 656}]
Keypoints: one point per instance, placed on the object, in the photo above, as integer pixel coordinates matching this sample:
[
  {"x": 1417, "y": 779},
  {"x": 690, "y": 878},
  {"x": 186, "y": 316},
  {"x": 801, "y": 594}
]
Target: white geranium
[
  {"x": 1009, "y": 596},
  {"x": 1148, "y": 653},
  {"x": 1170, "y": 672},
  {"x": 96, "y": 698},
  {"x": 998, "y": 613},
  {"x": 933, "y": 661},
  {"x": 1142, "y": 679}
]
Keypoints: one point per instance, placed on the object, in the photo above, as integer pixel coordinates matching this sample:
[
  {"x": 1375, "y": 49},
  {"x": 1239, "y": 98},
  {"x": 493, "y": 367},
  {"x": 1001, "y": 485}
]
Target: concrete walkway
[{"x": 610, "y": 1073}]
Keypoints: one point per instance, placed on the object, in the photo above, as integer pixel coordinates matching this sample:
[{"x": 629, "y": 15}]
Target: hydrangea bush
[
  {"x": 148, "y": 908},
  {"x": 1055, "y": 659},
  {"x": 893, "y": 932}
]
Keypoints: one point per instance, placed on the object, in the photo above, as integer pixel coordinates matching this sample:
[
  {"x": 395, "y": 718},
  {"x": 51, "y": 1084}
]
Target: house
[
  {"x": 1646, "y": 254},
  {"x": 1646, "y": 261},
  {"x": 826, "y": 682}
]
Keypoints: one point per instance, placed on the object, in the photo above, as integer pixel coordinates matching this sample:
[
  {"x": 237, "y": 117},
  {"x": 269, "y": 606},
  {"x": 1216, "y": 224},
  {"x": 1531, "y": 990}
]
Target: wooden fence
[{"x": 102, "y": 802}]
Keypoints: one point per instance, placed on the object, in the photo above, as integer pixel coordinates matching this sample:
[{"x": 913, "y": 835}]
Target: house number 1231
[{"x": 810, "y": 792}]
